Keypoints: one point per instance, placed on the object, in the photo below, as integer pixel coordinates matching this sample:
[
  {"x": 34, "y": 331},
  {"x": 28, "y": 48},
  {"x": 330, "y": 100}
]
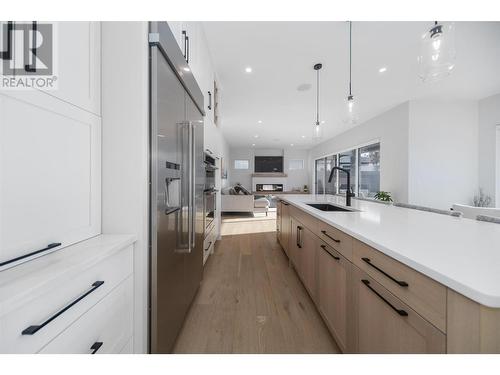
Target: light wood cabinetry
[
  {"x": 418, "y": 291},
  {"x": 384, "y": 324},
  {"x": 372, "y": 303},
  {"x": 286, "y": 228},
  {"x": 333, "y": 297}
]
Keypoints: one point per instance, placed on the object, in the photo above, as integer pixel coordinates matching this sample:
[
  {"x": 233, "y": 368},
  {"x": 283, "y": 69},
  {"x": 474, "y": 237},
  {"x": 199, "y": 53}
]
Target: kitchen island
[{"x": 420, "y": 281}]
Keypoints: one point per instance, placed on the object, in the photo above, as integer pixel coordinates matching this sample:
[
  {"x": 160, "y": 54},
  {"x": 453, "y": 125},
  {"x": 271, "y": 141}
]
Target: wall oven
[
  {"x": 210, "y": 193},
  {"x": 210, "y": 197}
]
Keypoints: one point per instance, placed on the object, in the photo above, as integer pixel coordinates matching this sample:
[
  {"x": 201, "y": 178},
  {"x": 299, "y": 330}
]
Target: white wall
[
  {"x": 391, "y": 129},
  {"x": 489, "y": 117},
  {"x": 295, "y": 179},
  {"x": 443, "y": 152},
  {"x": 125, "y": 151}
]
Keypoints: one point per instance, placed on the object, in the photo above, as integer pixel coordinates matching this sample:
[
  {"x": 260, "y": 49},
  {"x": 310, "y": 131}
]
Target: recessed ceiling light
[
  {"x": 248, "y": 69},
  {"x": 291, "y": 144},
  {"x": 256, "y": 136},
  {"x": 323, "y": 121},
  {"x": 303, "y": 136},
  {"x": 382, "y": 70},
  {"x": 259, "y": 122},
  {"x": 253, "y": 144},
  {"x": 186, "y": 69}
]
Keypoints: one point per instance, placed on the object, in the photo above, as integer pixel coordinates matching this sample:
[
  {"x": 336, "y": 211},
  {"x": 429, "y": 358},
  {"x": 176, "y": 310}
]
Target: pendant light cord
[
  {"x": 350, "y": 57},
  {"x": 317, "y": 97}
]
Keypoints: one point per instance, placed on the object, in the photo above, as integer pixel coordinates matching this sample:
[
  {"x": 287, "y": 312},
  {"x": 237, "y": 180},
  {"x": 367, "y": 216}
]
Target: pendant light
[
  {"x": 317, "y": 130},
  {"x": 351, "y": 107},
  {"x": 437, "y": 52}
]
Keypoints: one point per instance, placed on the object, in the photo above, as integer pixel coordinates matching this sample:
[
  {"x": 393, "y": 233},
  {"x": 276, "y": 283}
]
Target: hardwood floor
[{"x": 251, "y": 301}]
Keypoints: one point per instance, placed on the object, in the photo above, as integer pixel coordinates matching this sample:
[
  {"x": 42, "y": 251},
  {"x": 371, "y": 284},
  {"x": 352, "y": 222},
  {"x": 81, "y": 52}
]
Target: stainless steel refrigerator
[{"x": 176, "y": 188}]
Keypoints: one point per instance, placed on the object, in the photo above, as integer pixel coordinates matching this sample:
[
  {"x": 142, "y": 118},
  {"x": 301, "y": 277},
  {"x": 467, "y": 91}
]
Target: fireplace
[{"x": 268, "y": 188}]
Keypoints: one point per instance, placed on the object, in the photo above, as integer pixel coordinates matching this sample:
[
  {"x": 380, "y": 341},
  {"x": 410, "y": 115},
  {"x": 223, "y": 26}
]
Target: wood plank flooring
[{"x": 251, "y": 301}]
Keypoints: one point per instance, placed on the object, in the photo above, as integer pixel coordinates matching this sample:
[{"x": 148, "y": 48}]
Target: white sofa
[{"x": 243, "y": 203}]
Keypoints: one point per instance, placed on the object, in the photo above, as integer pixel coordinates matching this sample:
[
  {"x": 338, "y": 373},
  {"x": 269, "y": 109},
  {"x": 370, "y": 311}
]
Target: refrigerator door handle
[
  {"x": 190, "y": 187},
  {"x": 192, "y": 184}
]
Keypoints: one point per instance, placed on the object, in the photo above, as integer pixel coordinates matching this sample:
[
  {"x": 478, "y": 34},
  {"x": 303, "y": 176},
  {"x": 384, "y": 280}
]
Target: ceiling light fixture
[
  {"x": 303, "y": 136},
  {"x": 259, "y": 122},
  {"x": 437, "y": 53},
  {"x": 351, "y": 111},
  {"x": 253, "y": 144},
  {"x": 256, "y": 136},
  {"x": 248, "y": 69},
  {"x": 291, "y": 144},
  {"x": 382, "y": 70},
  {"x": 317, "y": 130}
]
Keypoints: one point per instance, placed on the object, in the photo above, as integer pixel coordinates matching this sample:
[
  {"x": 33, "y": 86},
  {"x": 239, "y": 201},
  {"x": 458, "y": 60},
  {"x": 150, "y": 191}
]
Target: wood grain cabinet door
[
  {"x": 307, "y": 260},
  {"x": 286, "y": 229},
  {"x": 332, "y": 296},
  {"x": 384, "y": 324}
]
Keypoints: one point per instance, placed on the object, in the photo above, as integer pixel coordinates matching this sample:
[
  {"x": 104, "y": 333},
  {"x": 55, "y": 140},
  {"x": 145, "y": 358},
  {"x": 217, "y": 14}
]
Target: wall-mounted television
[{"x": 265, "y": 164}]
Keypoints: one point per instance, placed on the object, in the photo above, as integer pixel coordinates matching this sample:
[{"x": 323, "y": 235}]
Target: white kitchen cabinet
[
  {"x": 104, "y": 329},
  {"x": 41, "y": 301},
  {"x": 50, "y": 173},
  {"x": 78, "y": 64}
]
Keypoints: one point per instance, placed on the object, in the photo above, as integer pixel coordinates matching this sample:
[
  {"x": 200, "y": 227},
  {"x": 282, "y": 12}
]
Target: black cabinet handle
[
  {"x": 208, "y": 247},
  {"x": 286, "y": 204},
  {"x": 95, "y": 347},
  {"x": 330, "y": 237},
  {"x": 49, "y": 246},
  {"x": 187, "y": 51},
  {"x": 333, "y": 256},
  {"x": 31, "y": 330},
  {"x": 299, "y": 236},
  {"x": 400, "y": 283},
  {"x": 209, "y": 100},
  {"x": 399, "y": 311}
]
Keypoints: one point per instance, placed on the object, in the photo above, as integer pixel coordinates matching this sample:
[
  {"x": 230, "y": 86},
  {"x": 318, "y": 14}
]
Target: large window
[
  {"x": 363, "y": 164},
  {"x": 241, "y": 164},
  {"x": 369, "y": 170}
]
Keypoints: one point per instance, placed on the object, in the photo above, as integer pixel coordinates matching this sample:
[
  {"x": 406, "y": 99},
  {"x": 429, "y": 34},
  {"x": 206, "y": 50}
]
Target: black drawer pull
[
  {"x": 333, "y": 256},
  {"x": 95, "y": 347},
  {"x": 31, "y": 330},
  {"x": 49, "y": 246},
  {"x": 400, "y": 283},
  {"x": 208, "y": 247},
  {"x": 330, "y": 237},
  {"x": 286, "y": 204},
  {"x": 399, "y": 311}
]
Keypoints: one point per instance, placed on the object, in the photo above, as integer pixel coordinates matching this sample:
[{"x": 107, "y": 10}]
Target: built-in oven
[
  {"x": 209, "y": 204},
  {"x": 210, "y": 193},
  {"x": 210, "y": 168}
]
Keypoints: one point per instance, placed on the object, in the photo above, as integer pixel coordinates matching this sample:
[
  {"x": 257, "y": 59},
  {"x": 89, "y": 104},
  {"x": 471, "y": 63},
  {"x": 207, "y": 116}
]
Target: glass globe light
[
  {"x": 437, "y": 52},
  {"x": 351, "y": 111},
  {"x": 317, "y": 131}
]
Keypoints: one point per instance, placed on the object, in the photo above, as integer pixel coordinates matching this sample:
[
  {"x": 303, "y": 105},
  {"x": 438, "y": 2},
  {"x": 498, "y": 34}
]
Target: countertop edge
[
  {"x": 473, "y": 294},
  {"x": 41, "y": 271}
]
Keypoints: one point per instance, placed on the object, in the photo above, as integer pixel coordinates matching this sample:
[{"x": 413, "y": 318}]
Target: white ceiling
[{"x": 282, "y": 55}]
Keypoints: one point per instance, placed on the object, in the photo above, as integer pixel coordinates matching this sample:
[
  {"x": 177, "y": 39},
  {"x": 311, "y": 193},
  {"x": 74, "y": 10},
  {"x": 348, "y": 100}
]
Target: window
[
  {"x": 369, "y": 170},
  {"x": 296, "y": 164},
  {"x": 241, "y": 164},
  {"x": 363, "y": 164},
  {"x": 347, "y": 160},
  {"x": 320, "y": 176}
]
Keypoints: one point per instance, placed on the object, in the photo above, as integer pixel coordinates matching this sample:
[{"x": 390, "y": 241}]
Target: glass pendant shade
[
  {"x": 317, "y": 131},
  {"x": 351, "y": 111},
  {"x": 437, "y": 52}
]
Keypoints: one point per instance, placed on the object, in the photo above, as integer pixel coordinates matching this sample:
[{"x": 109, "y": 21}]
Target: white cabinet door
[
  {"x": 50, "y": 173},
  {"x": 78, "y": 64},
  {"x": 176, "y": 28}
]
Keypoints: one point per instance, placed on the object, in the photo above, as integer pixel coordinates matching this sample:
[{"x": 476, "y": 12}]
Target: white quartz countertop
[
  {"x": 25, "y": 280},
  {"x": 462, "y": 254}
]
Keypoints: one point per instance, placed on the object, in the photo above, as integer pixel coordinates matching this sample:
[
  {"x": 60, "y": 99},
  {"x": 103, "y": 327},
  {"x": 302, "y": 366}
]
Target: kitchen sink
[{"x": 329, "y": 207}]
